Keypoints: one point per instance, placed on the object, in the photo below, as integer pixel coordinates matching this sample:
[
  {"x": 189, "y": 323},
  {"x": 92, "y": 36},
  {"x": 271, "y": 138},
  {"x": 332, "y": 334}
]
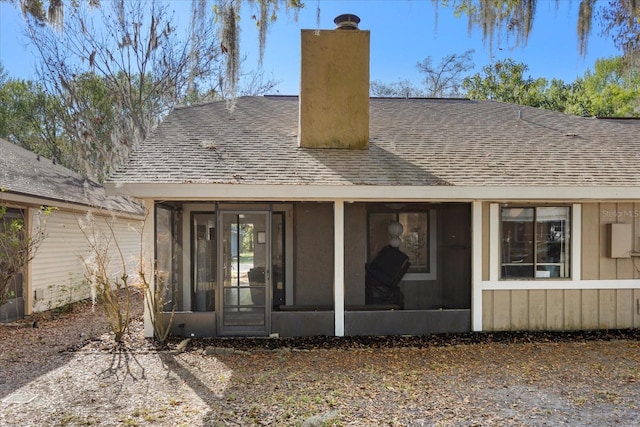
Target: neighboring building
[
  {"x": 268, "y": 216},
  {"x": 56, "y": 276}
]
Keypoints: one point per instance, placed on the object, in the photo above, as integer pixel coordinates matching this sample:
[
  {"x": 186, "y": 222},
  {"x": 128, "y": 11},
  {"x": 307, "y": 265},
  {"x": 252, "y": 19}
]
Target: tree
[
  {"x": 29, "y": 117},
  {"x": 445, "y": 79},
  {"x": 226, "y": 12},
  {"x": 504, "y": 81},
  {"x": 622, "y": 24},
  {"x": 119, "y": 69},
  {"x": 515, "y": 18},
  {"x": 401, "y": 89},
  {"x": 567, "y": 98},
  {"x": 612, "y": 89}
]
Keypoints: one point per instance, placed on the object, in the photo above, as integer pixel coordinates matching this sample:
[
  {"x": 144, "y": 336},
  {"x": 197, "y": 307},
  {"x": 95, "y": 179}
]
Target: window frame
[{"x": 569, "y": 251}]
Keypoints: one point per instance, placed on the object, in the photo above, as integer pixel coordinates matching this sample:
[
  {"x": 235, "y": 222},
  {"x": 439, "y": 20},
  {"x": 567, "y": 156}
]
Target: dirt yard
[{"x": 66, "y": 372}]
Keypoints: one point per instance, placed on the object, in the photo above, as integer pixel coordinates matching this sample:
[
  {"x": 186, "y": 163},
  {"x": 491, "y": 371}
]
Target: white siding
[{"x": 58, "y": 271}]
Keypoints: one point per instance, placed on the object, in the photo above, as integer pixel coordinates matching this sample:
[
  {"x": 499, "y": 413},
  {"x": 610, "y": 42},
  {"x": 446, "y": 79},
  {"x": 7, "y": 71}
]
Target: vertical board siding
[
  {"x": 537, "y": 309},
  {"x": 58, "y": 269},
  {"x": 625, "y": 305},
  {"x": 575, "y": 309},
  {"x": 625, "y": 266},
  {"x": 589, "y": 308},
  {"x": 608, "y": 265},
  {"x": 520, "y": 311},
  {"x": 607, "y": 309},
  {"x": 636, "y": 308},
  {"x": 487, "y": 311},
  {"x": 554, "y": 309},
  {"x": 502, "y": 310},
  {"x": 590, "y": 241},
  {"x": 562, "y": 309}
]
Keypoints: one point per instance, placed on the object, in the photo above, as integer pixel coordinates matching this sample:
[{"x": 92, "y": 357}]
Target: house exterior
[
  {"x": 56, "y": 275},
  {"x": 271, "y": 216}
]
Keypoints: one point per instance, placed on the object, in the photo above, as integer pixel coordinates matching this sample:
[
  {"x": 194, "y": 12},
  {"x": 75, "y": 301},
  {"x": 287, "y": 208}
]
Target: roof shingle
[
  {"x": 25, "y": 173},
  {"x": 413, "y": 142}
]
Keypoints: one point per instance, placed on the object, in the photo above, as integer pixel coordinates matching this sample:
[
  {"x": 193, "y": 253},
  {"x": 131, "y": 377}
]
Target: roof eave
[{"x": 288, "y": 192}]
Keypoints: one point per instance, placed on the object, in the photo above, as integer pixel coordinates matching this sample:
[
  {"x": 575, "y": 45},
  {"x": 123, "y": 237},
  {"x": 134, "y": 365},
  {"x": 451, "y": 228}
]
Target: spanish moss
[{"x": 584, "y": 24}]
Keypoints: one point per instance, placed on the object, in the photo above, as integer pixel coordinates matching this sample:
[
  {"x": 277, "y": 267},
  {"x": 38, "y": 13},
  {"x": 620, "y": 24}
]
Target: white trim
[
  {"x": 148, "y": 254},
  {"x": 379, "y": 193},
  {"x": 560, "y": 284},
  {"x": 28, "y": 291},
  {"x": 338, "y": 280},
  {"x": 575, "y": 264},
  {"x": 476, "y": 266},
  {"x": 20, "y": 202},
  {"x": 494, "y": 242}
]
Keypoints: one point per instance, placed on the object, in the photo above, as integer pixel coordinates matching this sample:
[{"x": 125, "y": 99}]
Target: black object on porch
[{"x": 383, "y": 275}]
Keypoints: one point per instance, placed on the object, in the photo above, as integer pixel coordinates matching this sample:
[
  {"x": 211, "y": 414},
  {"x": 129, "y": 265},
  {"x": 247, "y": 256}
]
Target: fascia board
[{"x": 270, "y": 192}]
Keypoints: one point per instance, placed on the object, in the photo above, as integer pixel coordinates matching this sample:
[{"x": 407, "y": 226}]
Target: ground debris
[{"x": 79, "y": 376}]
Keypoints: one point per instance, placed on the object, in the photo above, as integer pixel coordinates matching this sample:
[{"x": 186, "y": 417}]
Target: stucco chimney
[{"x": 334, "y": 88}]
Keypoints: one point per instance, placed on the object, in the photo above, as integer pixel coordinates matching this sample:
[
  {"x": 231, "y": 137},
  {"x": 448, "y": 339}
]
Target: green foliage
[
  {"x": 30, "y": 117},
  {"x": 611, "y": 90},
  {"x": 505, "y": 81}
]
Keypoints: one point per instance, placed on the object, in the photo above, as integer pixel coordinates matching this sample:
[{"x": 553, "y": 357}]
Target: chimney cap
[{"x": 347, "y": 21}]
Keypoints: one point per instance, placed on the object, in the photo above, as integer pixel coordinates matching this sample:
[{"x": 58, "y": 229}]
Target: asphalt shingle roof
[
  {"x": 413, "y": 142},
  {"x": 25, "y": 173}
]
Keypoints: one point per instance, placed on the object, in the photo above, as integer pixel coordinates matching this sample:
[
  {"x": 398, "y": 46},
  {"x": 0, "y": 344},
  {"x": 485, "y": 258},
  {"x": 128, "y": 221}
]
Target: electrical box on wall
[{"x": 620, "y": 240}]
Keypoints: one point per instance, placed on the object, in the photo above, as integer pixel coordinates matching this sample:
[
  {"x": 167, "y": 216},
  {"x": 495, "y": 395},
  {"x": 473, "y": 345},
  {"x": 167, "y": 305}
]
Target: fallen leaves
[{"x": 581, "y": 378}]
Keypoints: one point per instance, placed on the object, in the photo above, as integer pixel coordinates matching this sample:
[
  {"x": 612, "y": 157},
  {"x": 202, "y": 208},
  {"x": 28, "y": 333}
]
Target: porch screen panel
[
  {"x": 165, "y": 258},
  {"x": 204, "y": 261},
  {"x": 414, "y": 240}
]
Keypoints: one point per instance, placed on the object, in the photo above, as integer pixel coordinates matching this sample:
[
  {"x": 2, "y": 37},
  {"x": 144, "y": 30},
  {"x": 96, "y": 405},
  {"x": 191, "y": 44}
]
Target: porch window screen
[
  {"x": 535, "y": 242},
  {"x": 414, "y": 237},
  {"x": 166, "y": 258}
]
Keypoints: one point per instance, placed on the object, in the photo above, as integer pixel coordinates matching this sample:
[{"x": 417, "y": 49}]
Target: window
[
  {"x": 415, "y": 238},
  {"x": 535, "y": 242},
  {"x": 15, "y": 286}
]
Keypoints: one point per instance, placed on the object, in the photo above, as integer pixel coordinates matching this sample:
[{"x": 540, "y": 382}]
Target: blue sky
[{"x": 403, "y": 32}]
